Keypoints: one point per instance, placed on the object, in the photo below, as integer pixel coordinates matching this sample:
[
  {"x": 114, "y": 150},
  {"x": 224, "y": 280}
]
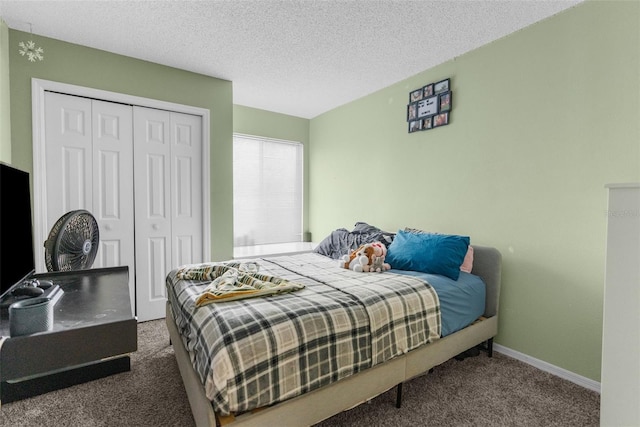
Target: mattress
[
  {"x": 462, "y": 301},
  {"x": 255, "y": 352}
]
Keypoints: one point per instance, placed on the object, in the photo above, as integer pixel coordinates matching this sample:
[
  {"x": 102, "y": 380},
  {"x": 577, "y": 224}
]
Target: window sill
[{"x": 273, "y": 249}]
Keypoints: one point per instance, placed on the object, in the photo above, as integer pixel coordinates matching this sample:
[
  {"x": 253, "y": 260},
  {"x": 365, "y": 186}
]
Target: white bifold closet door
[
  {"x": 89, "y": 165},
  {"x": 168, "y": 203},
  {"x": 138, "y": 171}
]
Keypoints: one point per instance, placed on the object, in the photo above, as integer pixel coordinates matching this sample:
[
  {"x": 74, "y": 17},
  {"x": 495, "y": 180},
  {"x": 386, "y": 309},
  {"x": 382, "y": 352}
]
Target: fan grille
[{"x": 73, "y": 242}]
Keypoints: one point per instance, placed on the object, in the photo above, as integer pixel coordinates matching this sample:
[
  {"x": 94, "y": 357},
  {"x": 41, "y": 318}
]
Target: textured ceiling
[{"x": 294, "y": 57}]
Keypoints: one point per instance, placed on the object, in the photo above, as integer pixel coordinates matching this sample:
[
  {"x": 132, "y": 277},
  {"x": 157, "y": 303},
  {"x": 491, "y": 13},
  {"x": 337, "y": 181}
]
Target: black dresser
[{"x": 94, "y": 330}]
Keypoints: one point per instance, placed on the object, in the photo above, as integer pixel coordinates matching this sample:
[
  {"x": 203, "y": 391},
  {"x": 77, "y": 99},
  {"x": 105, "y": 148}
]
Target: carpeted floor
[{"x": 477, "y": 391}]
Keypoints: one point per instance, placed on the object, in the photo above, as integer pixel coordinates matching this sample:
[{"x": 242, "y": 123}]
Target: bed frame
[{"x": 317, "y": 405}]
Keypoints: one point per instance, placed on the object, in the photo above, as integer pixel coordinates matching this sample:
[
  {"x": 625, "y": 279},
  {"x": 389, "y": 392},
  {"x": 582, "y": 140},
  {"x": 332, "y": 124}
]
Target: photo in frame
[
  {"x": 441, "y": 86},
  {"x": 427, "y": 123},
  {"x": 441, "y": 119},
  {"x": 412, "y": 111},
  {"x": 427, "y": 91},
  {"x": 415, "y": 126},
  {"x": 416, "y": 95},
  {"x": 445, "y": 102}
]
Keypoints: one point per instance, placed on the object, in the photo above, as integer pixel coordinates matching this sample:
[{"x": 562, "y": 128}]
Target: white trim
[
  {"x": 624, "y": 185},
  {"x": 548, "y": 367},
  {"x": 273, "y": 249},
  {"x": 266, "y": 138},
  {"x": 39, "y": 174},
  {"x": 38, "y": 88}
]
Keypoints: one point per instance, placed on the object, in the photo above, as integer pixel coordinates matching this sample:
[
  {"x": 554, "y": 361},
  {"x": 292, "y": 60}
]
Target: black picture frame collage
[{"x": 430, "y": 106}]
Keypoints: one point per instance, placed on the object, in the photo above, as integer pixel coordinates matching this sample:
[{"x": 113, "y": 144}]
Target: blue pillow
[{"x": 429, "y": 253}]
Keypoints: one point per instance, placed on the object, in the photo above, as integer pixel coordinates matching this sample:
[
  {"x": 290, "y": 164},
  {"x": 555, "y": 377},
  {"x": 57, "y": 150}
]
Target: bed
[{"x": 356, "y": 361}]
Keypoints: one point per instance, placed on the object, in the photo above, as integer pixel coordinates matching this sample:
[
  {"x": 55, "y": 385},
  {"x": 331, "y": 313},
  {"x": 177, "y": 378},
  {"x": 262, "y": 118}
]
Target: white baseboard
[{"x": 548, "y": 367}]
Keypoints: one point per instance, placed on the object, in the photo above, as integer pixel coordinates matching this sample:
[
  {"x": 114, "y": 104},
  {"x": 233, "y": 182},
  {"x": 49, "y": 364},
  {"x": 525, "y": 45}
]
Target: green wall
[
  {"x": 253, "y": 121},
  {"x": 5, "y": 106},
  {"x": 541, "y": 121},
  {"x": 82, "y": 66}
]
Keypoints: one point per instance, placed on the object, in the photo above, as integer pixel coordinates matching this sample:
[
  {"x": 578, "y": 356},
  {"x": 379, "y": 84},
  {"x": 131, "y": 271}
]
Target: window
[{"x": 267, "y": 191}]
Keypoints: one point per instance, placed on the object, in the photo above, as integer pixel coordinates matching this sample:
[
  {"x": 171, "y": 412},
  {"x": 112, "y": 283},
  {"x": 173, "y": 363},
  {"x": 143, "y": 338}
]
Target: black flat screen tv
[{"x": 16, "y": 230}]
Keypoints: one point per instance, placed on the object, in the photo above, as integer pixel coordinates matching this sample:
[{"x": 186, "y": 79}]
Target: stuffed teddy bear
[
  {"x": 357, "y": 260},
  {"x": 377, "y": 262},
  {"x": 367, "y": 258}
]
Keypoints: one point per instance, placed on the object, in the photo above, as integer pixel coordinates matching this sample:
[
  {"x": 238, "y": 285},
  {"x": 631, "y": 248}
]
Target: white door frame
[{"x": 38, "y": 88}]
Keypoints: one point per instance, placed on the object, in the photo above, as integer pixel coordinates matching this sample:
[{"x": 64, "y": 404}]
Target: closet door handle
[{"x": 156, "y": 227}]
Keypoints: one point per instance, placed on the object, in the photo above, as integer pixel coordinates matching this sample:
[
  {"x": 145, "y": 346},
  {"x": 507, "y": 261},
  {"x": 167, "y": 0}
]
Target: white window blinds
[{"x": 267, "y": 191}]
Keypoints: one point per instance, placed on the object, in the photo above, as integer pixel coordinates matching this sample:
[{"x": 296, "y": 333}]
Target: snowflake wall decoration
[{"x": 31, "y": 51}]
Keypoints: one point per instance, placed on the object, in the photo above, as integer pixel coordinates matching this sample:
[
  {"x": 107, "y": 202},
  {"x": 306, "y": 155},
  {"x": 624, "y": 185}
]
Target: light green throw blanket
[{"x": 233, "y": 281}]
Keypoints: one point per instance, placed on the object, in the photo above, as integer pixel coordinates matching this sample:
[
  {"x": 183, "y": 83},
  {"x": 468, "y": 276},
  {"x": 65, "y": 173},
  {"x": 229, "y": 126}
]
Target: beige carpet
[{"x": 477, "y": 391}]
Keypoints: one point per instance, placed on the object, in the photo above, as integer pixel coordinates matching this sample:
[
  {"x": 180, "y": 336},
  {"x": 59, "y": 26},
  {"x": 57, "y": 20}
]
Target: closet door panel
[
  {"x": 157, "y": 249},
  {"x": 74, "y": 182},
  {"x": 156, "y": 187},
  {"x": 68, "y": 152},
  {"x": 152, "y": 170},
  {"x": 113, "y": 186},
  {"x": 186, "y": 191}
]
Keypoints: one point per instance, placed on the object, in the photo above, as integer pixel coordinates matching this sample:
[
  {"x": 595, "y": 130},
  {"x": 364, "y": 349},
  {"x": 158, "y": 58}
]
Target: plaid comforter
[{"x": 256, "y": 352}]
